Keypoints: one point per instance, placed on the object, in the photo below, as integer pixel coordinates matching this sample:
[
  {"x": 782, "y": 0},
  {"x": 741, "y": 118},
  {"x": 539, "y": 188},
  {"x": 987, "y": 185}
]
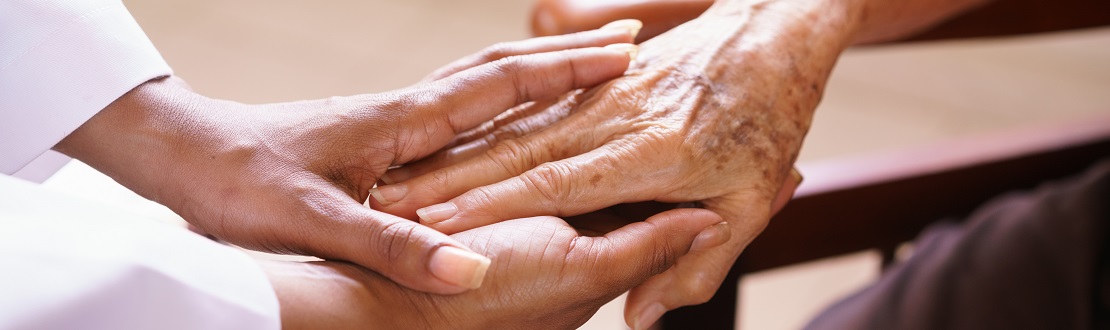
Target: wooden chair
[{"x": 880, "y": 201}]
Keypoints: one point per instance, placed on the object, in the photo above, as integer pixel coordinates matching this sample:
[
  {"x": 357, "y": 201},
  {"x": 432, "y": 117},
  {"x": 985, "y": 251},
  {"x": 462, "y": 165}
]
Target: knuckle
[
  {"x": 478, "y": 197},
  {"x": 508, "y": 65},
  {"x": 497, "y": 51},
  {"x": 699, "y": 289},
  {"x": 439, "y": 182},
  {"x": 512, "y": 156},
  {"x": 508, "y": 132},
  {"x": 550, "y": 181},
  {"x": 514, "y": 67},
  {"x": 663, "y": 256},
  {"x": 391, "y": 243}
]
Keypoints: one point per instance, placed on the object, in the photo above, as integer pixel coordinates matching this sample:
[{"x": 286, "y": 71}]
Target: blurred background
[{"x": 879, "y": 98}]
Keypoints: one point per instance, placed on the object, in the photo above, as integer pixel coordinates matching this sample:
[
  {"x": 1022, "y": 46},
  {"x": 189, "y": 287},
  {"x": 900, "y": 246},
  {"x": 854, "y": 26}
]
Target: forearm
[
  {"x": 801, "y": 39},
  {"x": 872, "y": 20},
  {"x": 804, "y": 38}
]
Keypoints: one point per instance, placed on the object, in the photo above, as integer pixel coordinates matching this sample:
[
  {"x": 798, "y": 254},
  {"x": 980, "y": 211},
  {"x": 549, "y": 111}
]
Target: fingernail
[
  {"x": 459, "y": 267},
  {"x": 711, "y": 237},
  {"x": 437, "y": 213},
  {"x": 796, "y": 175},
  {"x": 631, "y": 49},
  {"x": 394, "y": 175},
  {"x": 649, "y": 316},
  {"x": 389, "y": 194},
  {"x": 633, "y": 26}
]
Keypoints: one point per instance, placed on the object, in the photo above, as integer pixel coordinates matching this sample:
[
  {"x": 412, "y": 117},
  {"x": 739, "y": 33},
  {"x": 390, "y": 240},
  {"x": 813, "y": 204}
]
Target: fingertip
[
  {"x": 631, "y": 26},
  {"x": 389, "y": 194},
  {"x": 644, "y": 295},
  {"x": 437, "y": 213},
  {"x": 796, "y": 176},
  {"x": 630, "y": 49},
  {"x": 714, "y": 236},
  {"x": 693, "y": 217},
  {"x": 459, "y": 267},
  {"x": 786, "y": 192},
  {"x": 389, "y": 177},
  {"x": 646, "y": 318}
]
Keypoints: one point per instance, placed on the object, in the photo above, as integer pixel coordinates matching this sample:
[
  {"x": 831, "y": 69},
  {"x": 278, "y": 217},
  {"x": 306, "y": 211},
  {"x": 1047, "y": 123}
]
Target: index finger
[
  {"x": 470, "y": 97},
  {"x": 476, "y": 95},
  {"x": 622, "y": 31}
]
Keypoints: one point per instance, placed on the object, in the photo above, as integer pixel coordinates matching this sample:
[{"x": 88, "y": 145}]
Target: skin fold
[{"x": 713, "y": 111}]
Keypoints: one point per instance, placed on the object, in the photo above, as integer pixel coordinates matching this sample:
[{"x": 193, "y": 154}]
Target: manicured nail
[
  {"x": 389, "y": 194},
  {"x": 649, "y": 316},
  {"x": 437, "y": 213},
  {"x": 459, "y": 267},
  {"x": 633, "y": 26},
  {"x": 711, "y": 237},
  {"x": 631, "y": 49},
  {"x": 796, "y": 175}
]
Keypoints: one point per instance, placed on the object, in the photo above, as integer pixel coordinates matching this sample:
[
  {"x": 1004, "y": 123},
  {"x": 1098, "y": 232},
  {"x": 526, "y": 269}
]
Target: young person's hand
[{"x": 293, "y": 177}]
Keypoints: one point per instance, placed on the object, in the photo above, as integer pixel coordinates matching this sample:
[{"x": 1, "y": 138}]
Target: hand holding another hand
[
  {"x": 292, "y": 177},
  {"x": 545, "y": 274},
  {"x": 716, "y": 117}
]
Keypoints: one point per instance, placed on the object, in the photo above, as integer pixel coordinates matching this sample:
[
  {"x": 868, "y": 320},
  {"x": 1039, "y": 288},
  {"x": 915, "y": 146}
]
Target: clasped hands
[
  {"x": 698, "y": 117},
  {"x": 292, "y": 178}
]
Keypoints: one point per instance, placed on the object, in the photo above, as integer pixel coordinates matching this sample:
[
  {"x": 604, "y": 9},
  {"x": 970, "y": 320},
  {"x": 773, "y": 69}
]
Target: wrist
[
  {"x": 799, "y": 41},
  {"x": 134, "y": 138},
  {"x": 329, "y": 295},
  {"x": 831, "y": 25}
]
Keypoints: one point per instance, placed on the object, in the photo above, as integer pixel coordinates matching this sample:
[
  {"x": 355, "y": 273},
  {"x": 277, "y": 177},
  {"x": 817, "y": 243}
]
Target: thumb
[
  {"x": 786, "y": 192},
  {"x": 408, "y": 253},
  {"x": 641, "y": 250}
]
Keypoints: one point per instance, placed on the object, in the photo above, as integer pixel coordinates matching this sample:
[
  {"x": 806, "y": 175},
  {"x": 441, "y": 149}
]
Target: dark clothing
[{"x": 1030, "y": 260}]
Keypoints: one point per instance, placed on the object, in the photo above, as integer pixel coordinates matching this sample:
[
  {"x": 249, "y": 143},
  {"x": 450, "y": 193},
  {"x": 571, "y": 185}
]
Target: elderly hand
[
  {"x": 714, "y": 111},
  {"x": 292, "y": 177},
  {"x": 544, "y": 275}
]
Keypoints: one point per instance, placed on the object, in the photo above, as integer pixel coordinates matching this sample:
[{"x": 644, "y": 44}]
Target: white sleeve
[
  {"x": 72, "y": 264},
  {"x": 61, "y": 62}
]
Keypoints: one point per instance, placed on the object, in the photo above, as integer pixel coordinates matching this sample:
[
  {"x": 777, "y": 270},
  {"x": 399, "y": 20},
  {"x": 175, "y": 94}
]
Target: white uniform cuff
[{"x": 51, "y": 85}]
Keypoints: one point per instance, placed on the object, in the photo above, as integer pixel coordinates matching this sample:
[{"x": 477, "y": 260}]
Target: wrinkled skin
[
  {"x": 716, "y": 118},
  {"x": 545, "y": 274},
  {"x": 292, "y": 177}
]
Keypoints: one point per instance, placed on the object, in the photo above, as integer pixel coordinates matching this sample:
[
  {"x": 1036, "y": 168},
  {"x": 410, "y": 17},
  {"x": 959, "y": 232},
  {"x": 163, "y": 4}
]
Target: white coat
[{"x": 66, "y": 264}]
